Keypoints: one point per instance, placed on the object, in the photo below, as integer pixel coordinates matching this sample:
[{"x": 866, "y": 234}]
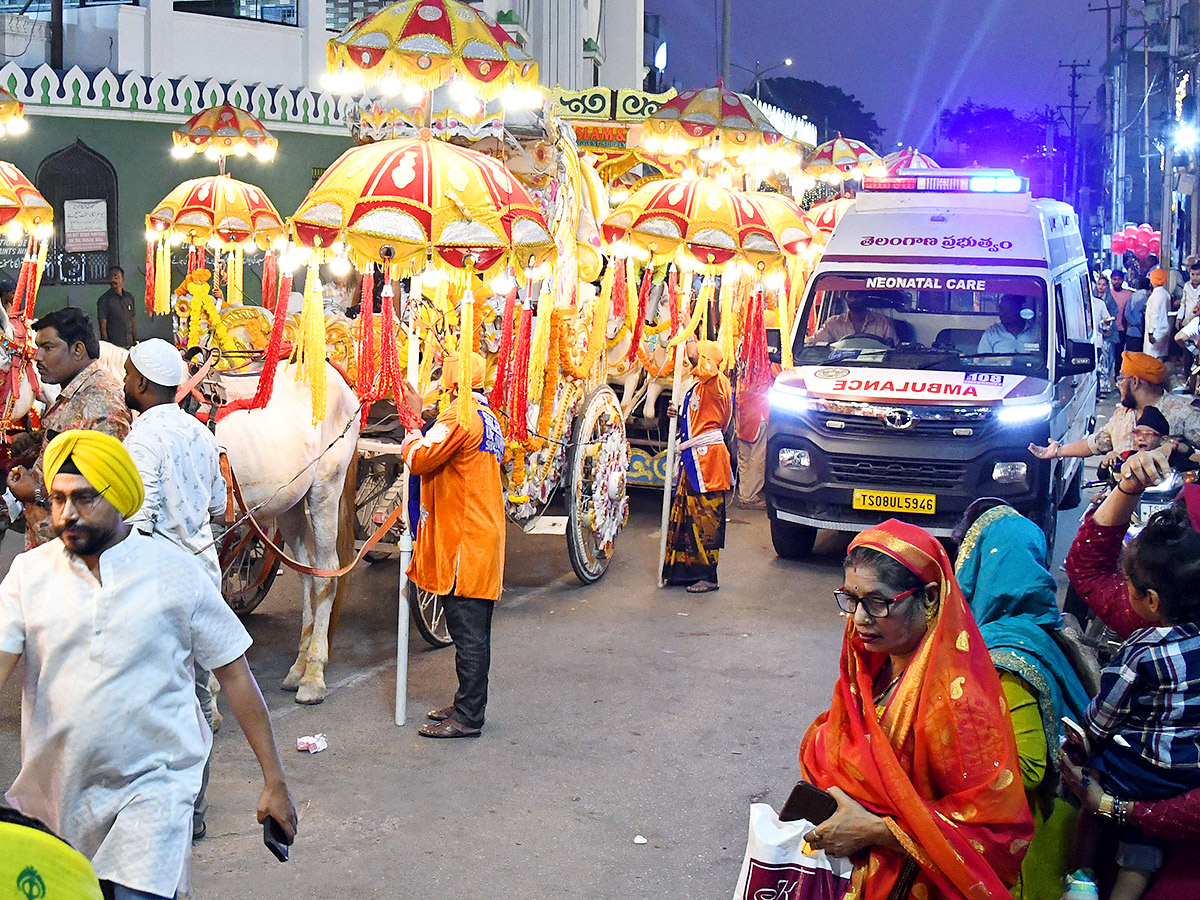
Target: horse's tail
[{"x": 345, "y": 540}]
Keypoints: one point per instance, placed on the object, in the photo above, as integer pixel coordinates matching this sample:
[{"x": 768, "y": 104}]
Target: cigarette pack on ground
[{"x": 313, "y": 743}]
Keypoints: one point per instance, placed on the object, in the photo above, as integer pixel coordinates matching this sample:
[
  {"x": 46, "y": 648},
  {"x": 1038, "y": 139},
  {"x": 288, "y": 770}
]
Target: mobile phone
[
  {"x": 808, "y": 802},
  {"x": 274, "y": 839},
  {"x": 1076, "y": 744}
]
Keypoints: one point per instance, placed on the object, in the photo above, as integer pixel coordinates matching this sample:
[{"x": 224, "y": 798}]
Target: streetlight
[{"x": 758, "y": 71}]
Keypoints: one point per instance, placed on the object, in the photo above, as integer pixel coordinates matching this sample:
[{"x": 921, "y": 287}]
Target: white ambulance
[{"x": 947, "y": 326}]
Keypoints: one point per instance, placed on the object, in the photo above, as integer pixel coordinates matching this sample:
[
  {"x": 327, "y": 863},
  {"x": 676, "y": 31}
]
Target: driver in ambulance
[
  {"x": 859, "y": 318},
  {"x": 1015, "y": 332}
]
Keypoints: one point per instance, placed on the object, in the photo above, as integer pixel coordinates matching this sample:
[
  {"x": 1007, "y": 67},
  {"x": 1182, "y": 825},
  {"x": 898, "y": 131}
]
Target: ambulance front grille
[{"x": 896, "y": 474}]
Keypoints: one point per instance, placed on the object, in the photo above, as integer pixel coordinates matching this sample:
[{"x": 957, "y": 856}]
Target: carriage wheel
[
  {"x": 371, "y": 502},
  {"x": 248, "y": 569},
  {"x": 429, "y": 615},
  {"x": 597, "y": 462}
]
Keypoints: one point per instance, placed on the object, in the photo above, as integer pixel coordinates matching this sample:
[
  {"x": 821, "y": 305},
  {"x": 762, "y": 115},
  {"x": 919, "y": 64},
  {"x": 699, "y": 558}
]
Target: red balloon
[
  {"x": 1130, "y": 231},
  {"x": 1145, "y": 229},
  {"x": 1119, "y": 245},
  {"x": 1141, "y": 251},
  {"x": 1155, "y": 245}
]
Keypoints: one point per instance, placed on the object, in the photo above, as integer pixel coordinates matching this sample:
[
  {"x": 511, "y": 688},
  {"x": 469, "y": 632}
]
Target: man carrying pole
[{"x": 459, "y": 550}]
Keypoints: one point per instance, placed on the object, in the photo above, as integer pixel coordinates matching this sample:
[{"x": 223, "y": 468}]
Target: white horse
[{"x": 298, "y": 476}]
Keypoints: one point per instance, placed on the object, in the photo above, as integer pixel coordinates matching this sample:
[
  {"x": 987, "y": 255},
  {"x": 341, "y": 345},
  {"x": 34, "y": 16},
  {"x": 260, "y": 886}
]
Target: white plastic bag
[{"x": 777, "y": 868}]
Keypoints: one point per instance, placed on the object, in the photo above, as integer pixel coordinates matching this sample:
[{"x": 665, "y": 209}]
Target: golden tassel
[
  {"x": 236, "y": 296},
  {"x": 309, "y": 351},
  {"x": 539, "y": 350},
  {"x": 162, "y": 279},
  {"x": 466, "y": 334},
  {"x": 728, "y": 319},
  {"x": 699, "y": 312}
]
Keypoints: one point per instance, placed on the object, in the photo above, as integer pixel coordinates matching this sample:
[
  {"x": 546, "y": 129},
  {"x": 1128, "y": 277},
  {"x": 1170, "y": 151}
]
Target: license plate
[
  {"x": 891, "y": 501},
  {"x": 1146, "y": 510}
]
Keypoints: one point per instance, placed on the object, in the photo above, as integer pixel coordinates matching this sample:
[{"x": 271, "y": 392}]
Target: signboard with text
[{"x": 85, "y": 225}]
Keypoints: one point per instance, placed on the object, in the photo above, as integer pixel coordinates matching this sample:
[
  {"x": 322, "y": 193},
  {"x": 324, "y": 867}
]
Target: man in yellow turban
[
  {"x": 113, "y": 740},
  {"x": 36, "y": 863}
]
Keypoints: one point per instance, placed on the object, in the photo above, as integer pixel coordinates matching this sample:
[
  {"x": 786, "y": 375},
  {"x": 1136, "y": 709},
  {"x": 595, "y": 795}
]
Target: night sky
[{"x": 903, "y": 60}]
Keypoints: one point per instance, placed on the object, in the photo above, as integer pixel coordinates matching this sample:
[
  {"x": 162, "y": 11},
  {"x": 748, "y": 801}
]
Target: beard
[
  {"x": 87, "y": 540},
  {"x": 1128, "y": 400}
]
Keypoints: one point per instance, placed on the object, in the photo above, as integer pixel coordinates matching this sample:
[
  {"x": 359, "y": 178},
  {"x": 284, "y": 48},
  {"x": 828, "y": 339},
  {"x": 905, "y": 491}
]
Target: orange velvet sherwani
[{"x": 460, "y": 538}]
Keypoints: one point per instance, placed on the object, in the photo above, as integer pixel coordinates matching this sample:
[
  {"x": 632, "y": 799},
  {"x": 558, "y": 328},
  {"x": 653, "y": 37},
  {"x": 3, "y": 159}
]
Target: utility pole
[
  {"x": 1167, "y": 250},
  {"x": 1116, "y": 83},
  {"x": 726, "y": 30},
  {"x": 1072, "y": 123}
]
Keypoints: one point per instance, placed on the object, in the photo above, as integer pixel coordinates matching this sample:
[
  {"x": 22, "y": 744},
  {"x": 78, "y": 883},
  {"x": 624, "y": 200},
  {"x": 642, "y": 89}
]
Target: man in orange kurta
[{"x": 459, "y": 550}]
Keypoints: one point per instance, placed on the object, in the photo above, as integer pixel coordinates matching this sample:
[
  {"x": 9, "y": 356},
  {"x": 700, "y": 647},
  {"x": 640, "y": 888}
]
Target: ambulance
[{"x": 946, "y": 328}]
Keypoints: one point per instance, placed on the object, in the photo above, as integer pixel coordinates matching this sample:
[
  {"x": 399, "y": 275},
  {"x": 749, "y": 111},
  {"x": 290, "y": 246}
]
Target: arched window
[{"x": 79, "y": 173}]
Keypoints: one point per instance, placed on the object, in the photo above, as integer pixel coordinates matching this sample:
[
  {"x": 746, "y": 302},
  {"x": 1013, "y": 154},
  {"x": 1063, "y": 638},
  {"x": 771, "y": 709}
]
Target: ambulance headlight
[
  {"x": 788, "y": 398},
  {"x": 1024, "y": 414},
  {"x": 1010, "y": 472},
  {"x": 790, "y": 458}
]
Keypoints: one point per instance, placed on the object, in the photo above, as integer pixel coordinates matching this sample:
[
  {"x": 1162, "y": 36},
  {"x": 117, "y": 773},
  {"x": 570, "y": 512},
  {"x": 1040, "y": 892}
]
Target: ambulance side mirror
[
  {"x": 774, "y": 346},
  {"x": 1080, "y": 358}
]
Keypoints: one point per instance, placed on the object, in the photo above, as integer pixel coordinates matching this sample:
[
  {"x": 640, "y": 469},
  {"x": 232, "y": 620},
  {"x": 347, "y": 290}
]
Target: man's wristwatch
[{"x": 39, "y": 498}]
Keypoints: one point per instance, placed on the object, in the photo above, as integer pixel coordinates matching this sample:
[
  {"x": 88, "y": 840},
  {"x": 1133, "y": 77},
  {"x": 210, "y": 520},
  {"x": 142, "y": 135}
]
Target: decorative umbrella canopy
[
  {"x": 12, "y": 114},
  {"x": 713, "y": 224},
  {"x": 826, "y": 215},
  {"x": 22, "y": 208},
  {"x": 908, "y": 159},
  {"x": 404, "y": 200},
  {"x": 427, "y": 43},
  {"x": 842, "y": 158},
  {"x": 701, "y": 117},
  {"x": 794, "y": 231},
  {"x": 225, "y": 130},
  {"x": 216, "y": 206}
]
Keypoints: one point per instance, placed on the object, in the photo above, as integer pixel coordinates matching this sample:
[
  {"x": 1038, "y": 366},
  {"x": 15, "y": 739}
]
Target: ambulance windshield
[{"x": 935, "y": 322}]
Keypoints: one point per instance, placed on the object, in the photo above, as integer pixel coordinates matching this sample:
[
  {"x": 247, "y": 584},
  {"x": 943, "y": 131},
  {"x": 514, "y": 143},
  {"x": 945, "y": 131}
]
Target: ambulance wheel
[
  {"x": 1073, "y": 495},
  {"x": 597, "y": 464},
  {"x": 429, "y": 615},
  {"x": 790, "y": 540}
]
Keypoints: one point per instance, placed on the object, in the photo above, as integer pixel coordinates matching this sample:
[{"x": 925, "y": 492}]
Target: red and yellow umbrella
[
  {"x": 12, "y": 114},
  {"x": 225, "y": 130},
  {"x": 216, "y": 206},
  {"x": 700, "y": 117},
  {"x": 908, "y": 159},
  {"x": 428, "y": 43},
  {"x": 842, "y": 158},
  {"x": 794, "y": 230},
  {"x": 827, "y": 215},
  {"x": 405, "y": 200},
  {"x": 710, "y": 223},
  {"x": 22, "y": 207}
]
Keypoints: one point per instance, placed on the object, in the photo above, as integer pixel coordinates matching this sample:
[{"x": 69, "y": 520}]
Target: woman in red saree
[{"x": 916, "y": 746}]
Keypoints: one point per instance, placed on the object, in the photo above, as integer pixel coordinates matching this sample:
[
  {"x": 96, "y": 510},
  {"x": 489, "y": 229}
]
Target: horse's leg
[
  {"x": 293, "y": 525},
  {"x": 323, "y": 500}
]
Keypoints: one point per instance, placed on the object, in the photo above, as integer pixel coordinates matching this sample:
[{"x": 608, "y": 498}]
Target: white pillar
[
  {"x": 623, "y": 41},
  {"x": 160, "y": 44},
  {"x": 310, "y": 16}
]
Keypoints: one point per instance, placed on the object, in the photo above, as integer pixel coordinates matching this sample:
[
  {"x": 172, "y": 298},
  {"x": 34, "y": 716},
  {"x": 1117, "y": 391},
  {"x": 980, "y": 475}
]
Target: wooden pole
[
  {"x": 673, "y": 431},
  {"x": 406, "y": 537}
]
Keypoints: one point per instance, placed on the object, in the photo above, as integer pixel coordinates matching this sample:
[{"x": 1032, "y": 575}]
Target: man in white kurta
[{"x": 110, "y": 622}]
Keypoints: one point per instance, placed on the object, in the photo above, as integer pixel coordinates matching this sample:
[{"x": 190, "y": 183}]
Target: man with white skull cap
[{"x": 180, "y": 464}]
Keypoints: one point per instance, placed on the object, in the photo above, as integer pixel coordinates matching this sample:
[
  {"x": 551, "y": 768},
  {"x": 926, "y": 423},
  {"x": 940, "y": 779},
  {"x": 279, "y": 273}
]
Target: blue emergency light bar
[{"x": 949, "y": 181}]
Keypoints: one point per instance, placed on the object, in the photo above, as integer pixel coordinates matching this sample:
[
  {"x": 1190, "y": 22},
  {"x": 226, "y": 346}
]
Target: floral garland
[
  {"x": 652, "y": 370},
  {"x": 201, "y": 310}
]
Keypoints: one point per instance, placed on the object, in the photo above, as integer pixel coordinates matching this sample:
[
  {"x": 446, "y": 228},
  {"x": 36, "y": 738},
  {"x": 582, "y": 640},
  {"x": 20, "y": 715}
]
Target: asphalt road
[{"x": 616, "y": 710}]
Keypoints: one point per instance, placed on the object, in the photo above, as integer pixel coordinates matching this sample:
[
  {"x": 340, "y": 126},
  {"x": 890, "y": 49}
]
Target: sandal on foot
[
  {"x": 448, "y": 728},
  {"x": 439, "y": 715},
  {"x": 702, "y": 587}
]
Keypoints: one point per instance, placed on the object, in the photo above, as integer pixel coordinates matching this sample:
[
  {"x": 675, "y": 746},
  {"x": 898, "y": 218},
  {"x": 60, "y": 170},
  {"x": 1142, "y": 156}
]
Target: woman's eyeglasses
[{"x": 877, "y": 607}]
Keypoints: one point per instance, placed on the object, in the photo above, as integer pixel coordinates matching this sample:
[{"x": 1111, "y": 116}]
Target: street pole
[
  {"x": 1120, "y": 111},
  {"x": 726, "y": 28},
  {"x": 1167, "y": 250},
  {"x": 1073, "y": 172}
]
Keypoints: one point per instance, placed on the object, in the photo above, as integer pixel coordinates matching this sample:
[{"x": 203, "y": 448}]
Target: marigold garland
[{"x": 596, "y": 340}]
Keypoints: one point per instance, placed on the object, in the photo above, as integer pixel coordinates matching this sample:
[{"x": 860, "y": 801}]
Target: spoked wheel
[
  {"x": 429, "y": 615},
  {"x": 597, "y": 462},
  {"x": 377, "y": 494},
  {"x": 248, "y": 569}
]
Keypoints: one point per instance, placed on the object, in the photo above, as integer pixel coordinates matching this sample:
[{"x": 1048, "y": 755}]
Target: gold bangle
[{"x": 1106, "y": 806}]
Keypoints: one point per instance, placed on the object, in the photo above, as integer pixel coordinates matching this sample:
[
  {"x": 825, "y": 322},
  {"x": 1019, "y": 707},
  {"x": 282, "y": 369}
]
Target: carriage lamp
[
  {"x": 791, "y": 458},
  {"x": 1010, "y": 473}
]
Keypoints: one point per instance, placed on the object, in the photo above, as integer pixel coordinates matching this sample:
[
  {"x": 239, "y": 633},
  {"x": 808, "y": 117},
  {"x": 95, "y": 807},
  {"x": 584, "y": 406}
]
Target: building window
[{"x": 78, "y": 173}]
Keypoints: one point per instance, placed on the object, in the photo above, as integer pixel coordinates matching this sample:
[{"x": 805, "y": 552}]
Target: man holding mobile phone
[{"x": 113, "y": 740}]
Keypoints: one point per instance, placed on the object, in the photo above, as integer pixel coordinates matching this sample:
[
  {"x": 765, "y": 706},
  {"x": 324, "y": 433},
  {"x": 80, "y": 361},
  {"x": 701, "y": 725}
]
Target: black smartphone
[
  {"x": 807, "y": 801},
  {"x": 274, "y": 839}
]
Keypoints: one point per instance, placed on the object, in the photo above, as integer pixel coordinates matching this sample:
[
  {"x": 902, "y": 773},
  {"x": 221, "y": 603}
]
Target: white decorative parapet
[
  {"x": 793, "y": 127},
  {"x": 134, "y": 96}
]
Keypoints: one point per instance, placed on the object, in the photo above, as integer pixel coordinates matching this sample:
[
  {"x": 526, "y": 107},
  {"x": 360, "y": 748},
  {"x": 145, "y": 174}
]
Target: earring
[{"x": 931, "y": 612}]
